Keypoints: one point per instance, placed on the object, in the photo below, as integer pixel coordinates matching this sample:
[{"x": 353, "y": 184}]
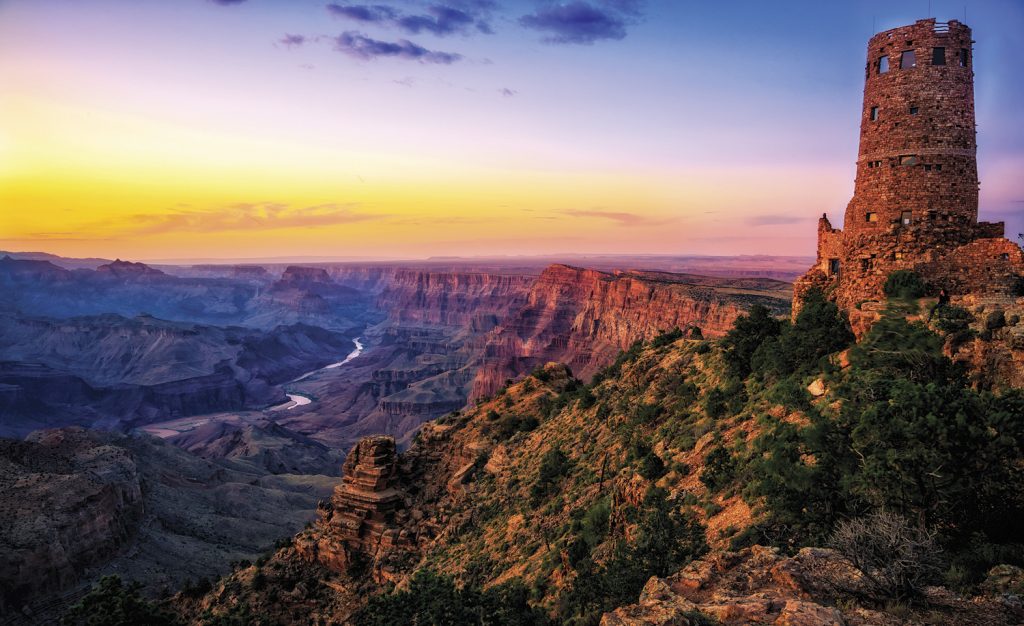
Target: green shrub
[
  {"x": 651, "y": 466},
  {"x": 746, "y": 336},
  {"x": 553, "y": 466},
  {"x": 502, "y": 427},
  {"x": 719, "y": 469},
  {"x": 434, "y": 599},
  {"x": 952, "y": 319},
  {"x": 666, "y": 539},
  {"x": 714, "y": 404},
  {"x": 666, "y": 338},
  {"x": 799, "y": 348},
  {"x": 904, "y": 284},
  {"x": 113, "y": 603},
  {"x": 995, "y": 320}
]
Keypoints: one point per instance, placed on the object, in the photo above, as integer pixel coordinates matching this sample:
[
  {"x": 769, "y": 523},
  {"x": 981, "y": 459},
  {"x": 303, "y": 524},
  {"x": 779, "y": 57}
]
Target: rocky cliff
[
  {"x": 78, "y": 504},
  {"x": 657, "y": 483},
  {"x": 471, "y": 300},
  {"x": 67, "y": 503},
  {"x": 584, "y": 318},
  {"x": 110, "y": 371}
]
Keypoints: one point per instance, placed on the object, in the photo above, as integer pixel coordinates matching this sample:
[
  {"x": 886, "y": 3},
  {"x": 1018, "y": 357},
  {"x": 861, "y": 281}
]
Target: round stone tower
[
  {"x": 915, "y": 200},
  {"x": 917, "y": 139}
]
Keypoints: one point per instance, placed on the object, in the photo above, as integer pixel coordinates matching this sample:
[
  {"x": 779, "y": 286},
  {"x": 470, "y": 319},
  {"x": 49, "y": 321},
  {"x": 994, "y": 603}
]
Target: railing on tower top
[{"x": 941, "y": 27}]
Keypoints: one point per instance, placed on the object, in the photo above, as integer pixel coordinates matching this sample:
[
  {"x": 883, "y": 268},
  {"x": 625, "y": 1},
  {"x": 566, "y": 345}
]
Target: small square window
[
  {"x": 871, "y": 217},
  {"x": 914, "y": 110},
  {"x": 883, "y": 65},
  {"x": 927, "y": 167},
  {"x": 906, "y": 217},
  {"x": 908, "y": 60},
  {"x": 897, "y": 256},
  {"x": 938, "y": 167},
  {"x": 874, "y": 113},
  {"x": 1004, "y": 256},
  {"x": 938, "y": 56}
]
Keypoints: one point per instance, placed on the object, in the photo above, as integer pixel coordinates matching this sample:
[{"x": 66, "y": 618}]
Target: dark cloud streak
[
  {"x": 362, "y": 47},
  {"x": 452, "y": 18},
  {"x": 580, "y": 22}
]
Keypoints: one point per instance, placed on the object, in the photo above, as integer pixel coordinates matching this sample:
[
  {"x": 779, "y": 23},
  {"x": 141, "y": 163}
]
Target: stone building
[{"x": 915, "y": 201}]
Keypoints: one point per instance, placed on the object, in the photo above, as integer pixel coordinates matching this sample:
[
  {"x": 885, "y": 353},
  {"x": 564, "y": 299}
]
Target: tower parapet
[{"x": 915, "y": 201}]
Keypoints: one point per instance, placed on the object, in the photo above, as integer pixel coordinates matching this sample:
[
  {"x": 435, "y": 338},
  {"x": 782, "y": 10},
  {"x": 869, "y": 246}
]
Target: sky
[{"x": 184, "y": 129}]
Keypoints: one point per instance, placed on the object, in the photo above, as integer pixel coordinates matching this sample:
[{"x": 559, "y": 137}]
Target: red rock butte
[{"x": 915, "y": 201}]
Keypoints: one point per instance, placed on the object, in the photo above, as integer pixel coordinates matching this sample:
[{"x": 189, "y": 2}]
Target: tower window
[
  {"x": 914, "y": 110},
  {"x": 883, "y": 65},
  {"x": 897, "y": 256},
  {"x": 906, "y": 217},
  {"x": 833, "y": 267},
  {"x": 871, "y": 217},
  {"x": 938, "y": 167},
  {"x": 908, "y": 60},
  {"x": 1004, "y": 256},
  {"x": 938, "y": 56},
  {"x": 964, "y": 57},
  {"x": 874, "y": 113},
  {"x": 927, "y": 167},
  {"x": 908, "y": 159}
]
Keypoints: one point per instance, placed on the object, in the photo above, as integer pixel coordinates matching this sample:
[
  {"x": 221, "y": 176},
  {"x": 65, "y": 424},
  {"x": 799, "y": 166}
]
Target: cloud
[
  {"x": 292, "y": 41},
  {"x": 239, "y": 216},
  {"x": 360, "y": 46},
  {"x": 623, "y": 218},
  {"x": 363, "y": 13},
  {"x": 508, "y": 93},
  {"x": 776, "y": 220},
  {"x": 580, "y": 22},
  {"x": 453, "y": 17}
]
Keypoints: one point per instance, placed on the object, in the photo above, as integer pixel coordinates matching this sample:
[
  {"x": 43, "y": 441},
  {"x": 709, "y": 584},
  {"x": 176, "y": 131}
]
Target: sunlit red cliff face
[{"x": 584, "y": 318}]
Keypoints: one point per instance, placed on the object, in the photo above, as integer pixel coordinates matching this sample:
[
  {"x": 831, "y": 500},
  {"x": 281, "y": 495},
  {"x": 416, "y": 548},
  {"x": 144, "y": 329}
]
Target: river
[{"x": 297, "y": 399}]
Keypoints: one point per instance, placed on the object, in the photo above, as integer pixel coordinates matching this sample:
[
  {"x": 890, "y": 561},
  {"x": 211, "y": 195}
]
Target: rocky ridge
[{"x": 584, "y": 318}]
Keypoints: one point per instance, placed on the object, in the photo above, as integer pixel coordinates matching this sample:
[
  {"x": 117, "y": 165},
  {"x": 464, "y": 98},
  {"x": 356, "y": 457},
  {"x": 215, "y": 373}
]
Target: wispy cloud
[
  {"x": 227, "y": 2},
  {"x": 776, "y": 219},
  {"x": 508, "y": 93},
  {"x": 292, "y": 41},
  {"x": 580, "y": 22},
  {"x": 362, "y": 47},
  {"x": 238, "y": 216},
  {"x": 363, "y": 13},
  {"x": 442, "y": 19},
  {"x": 623, "y": 218}
]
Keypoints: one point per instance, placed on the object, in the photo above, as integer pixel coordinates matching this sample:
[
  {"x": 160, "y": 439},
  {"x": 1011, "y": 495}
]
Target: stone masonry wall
[{"x": 915, "y": 203}]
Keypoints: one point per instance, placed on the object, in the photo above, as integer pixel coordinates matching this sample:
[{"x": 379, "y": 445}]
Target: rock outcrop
[
  {"x": 77, "y": 504},
  {"x": 67, "y": 502},
  {"x": 584, "y": 318},
  {"x": 128, "y": 270},
  {"x": 363, "y": 519},
  {"x": 758, "y": 585}
]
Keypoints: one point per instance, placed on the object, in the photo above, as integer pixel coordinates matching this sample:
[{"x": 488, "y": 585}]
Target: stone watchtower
[{"x": 915, "y": 201}]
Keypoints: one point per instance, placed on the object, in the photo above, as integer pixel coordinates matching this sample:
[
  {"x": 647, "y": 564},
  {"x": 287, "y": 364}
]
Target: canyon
[{"x": 195, "y": 365}]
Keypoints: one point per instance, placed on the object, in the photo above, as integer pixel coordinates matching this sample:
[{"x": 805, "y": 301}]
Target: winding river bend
[{"x": 297, "y": 399}]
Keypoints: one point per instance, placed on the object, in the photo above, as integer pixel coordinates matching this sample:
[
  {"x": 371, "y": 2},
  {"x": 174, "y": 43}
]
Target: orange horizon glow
[{"x": 151, "y": 132}]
